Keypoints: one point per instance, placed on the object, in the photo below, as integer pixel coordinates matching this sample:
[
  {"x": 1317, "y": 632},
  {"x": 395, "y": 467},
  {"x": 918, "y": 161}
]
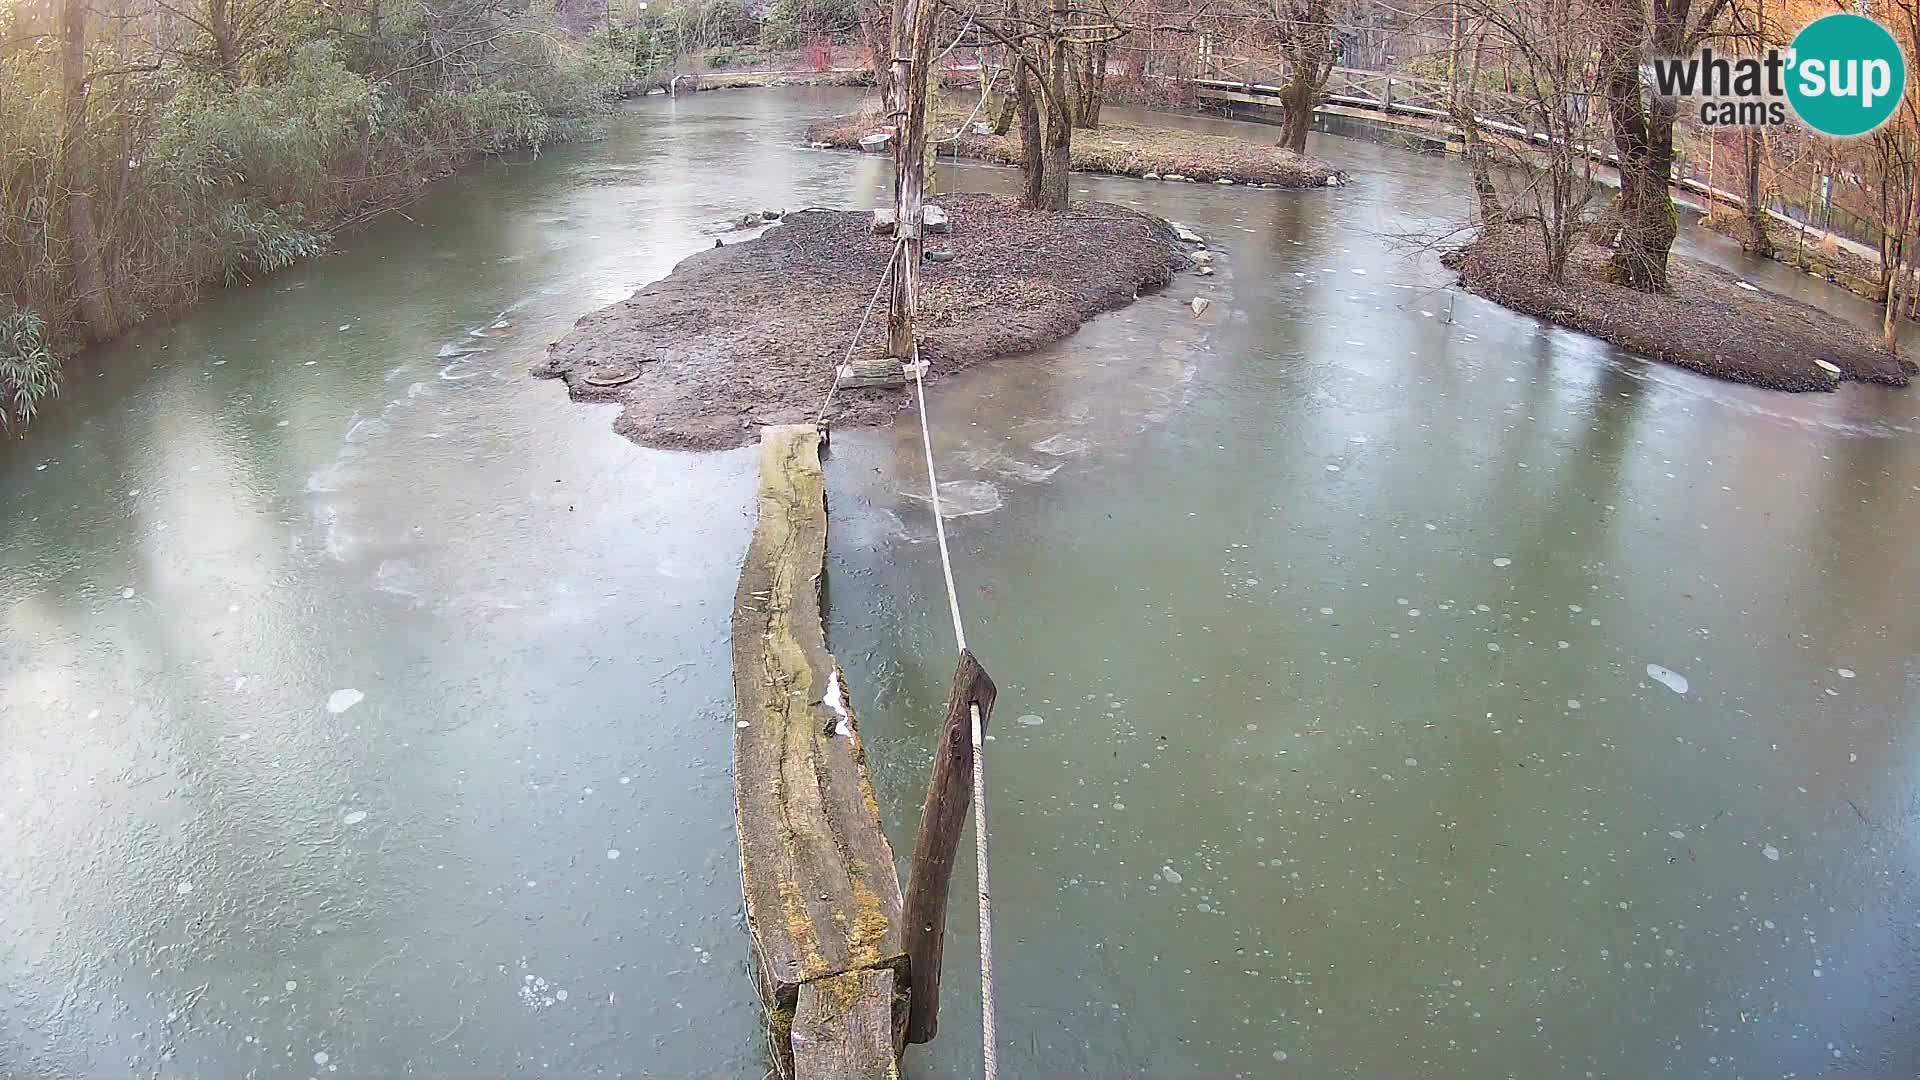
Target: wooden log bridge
[{"x": 822, "y": 895}]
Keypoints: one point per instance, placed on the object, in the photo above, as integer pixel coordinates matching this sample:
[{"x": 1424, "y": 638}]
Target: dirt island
[
  {"x": 750, "y": 332},
  {"x": 1709, "y": 321}
]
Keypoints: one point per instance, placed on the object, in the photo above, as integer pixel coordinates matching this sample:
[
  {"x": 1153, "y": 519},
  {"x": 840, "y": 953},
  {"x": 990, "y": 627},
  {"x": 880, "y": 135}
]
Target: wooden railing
[
  {"x": 1381, "y": 91},
  {"x": 1509, "y": 114}
]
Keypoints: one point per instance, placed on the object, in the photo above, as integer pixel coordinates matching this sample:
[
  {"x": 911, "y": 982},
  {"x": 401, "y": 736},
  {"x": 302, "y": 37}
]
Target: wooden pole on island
[
  {"x": 950, "y": 790},
  {"x": 942, "y": 820},
  {"x": 907, "y": 97}
]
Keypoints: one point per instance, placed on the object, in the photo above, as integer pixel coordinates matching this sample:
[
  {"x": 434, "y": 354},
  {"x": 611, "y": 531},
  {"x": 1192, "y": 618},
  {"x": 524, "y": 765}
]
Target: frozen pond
[{"x": 1390, "y": 685}]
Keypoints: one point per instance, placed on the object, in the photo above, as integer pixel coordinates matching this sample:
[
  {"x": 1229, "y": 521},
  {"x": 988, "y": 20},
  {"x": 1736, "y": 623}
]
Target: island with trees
[{"x": 156, "y": 149}]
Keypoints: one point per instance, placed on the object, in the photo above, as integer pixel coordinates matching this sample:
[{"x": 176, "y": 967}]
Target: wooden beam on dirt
[
  {"x": 942, "y": 820},
  {"x": 883, "y": 371},
  {"x": 822, "y": 896}
]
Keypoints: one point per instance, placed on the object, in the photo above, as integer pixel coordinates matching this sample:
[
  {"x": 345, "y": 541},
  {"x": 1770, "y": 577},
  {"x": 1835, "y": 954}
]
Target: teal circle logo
[{"x": 1845, "y": 75}]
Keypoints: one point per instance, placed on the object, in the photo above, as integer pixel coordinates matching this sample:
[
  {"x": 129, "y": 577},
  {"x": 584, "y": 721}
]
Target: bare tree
[
  {"x": 1756, "y": 32},
  {"x": 229, "y": 29},
  {"x": 1305, "y": 32},
  {"x": 1089, "y": 76},
  {"x": 77, "y": 175},
  {"x": 1547, "y": 44},
  {"x": 1901, "y": 136},
  {"x": 1465, "y": 59},
  {"x": 1628, "y": 33},
  {"x": 1041, "y": 43}
]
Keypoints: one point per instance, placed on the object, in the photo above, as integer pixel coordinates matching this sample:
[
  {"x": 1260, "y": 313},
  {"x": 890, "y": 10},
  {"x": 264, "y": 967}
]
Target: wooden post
[
  {"x": 941, "y": 821},
  {"x": 909, "y": 82}
]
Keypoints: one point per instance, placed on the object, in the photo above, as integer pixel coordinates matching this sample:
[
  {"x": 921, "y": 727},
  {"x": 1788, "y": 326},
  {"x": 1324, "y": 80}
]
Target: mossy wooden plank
[
  {"x": 843, "y": 1029},
  {"x": 822, "y": 894}
]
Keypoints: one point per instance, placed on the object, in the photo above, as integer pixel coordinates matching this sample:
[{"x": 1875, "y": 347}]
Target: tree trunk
[
  {"x": 1758, "y": 242},
  {"x": 1032, "y": 161},
  {"x": 1003, "y": 123},
  {"x": 1097, "y": 96},
  {"x": 1091, "y": 83},
  {"x": 912, "y": 58},
  {"x": 1076, "y": 77},
  {"x": 1056, "y": 135},
  {"x": 1890, "y": 319},
  {"x": 893, "y": 86},
  {"x": 1463, "y": 103},
  {"x": 1309, "y": 54},
  {"x": 1054, "y": 193},
  {"x": 1896, "y": 273},
  {"x": 376, "y": 39},
  {"x": 220, "y": 27},
  {"x": 76, "y": 169},
  {"x": 1456, "y": 47},
  {"x": 1058, "y": 156},
  {"x": 1296, "y": 110},
  {"x": 1643, "y": 140}
]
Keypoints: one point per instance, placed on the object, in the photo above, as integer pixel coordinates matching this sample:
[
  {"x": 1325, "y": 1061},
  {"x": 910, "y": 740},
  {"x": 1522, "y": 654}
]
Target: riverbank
[
  {"x": 694, "y": 82},
  {"x": 1823, "y": 258},
  {"x": 234, "y": 178},
  {"x": 1710, "y": 322},
  {"x": 1119, "y": 149},
  {"x": 329, "y": 509},
  {"x": 750, "y": 333}
]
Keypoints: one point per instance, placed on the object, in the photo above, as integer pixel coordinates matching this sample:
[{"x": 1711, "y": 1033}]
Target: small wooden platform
[{"x": 823, "y": 897}]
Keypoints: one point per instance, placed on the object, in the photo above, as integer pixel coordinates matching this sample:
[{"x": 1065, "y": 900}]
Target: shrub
[
  {"x": 704, "y": 23},
  {"x": 207, "y": 176},
  {"x": 29, "y": 374},
  {"x": 791, "y": 23}
]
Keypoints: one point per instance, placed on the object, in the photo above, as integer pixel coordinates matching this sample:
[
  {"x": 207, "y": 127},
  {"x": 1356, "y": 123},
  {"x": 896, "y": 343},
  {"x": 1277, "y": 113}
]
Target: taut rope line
[
  {"x": 918, "y": 367},
  {"x": 989, "y": 1058},
  {"x": 846, "y": 365}
]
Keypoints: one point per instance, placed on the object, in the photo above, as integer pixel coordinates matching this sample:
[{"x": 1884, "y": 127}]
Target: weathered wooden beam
[
  {"x": 942, "y": 820},
  {"x": 822, "y": 894},
  {"x": 843, "y": 1028},
  {"x": 880, "y": 371}
]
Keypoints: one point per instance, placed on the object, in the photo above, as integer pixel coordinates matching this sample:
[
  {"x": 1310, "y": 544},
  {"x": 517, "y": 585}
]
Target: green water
[{"x": 1267, "y": 799}]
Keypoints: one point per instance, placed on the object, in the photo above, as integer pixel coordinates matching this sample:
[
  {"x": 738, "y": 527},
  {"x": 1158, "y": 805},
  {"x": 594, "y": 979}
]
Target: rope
[
  {"x": 992, "y": 77},
  {"x": 846, "y": 365},
  {"x": 989, "y": 1055},
  {"x": 933, "y": 496},
  {"x": 942, "y": 58},
  {"x": 987, "y": 1041}
]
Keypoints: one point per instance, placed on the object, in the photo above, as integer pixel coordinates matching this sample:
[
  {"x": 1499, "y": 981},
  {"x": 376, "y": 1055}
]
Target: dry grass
[{"x": 1116, "y": 148}]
